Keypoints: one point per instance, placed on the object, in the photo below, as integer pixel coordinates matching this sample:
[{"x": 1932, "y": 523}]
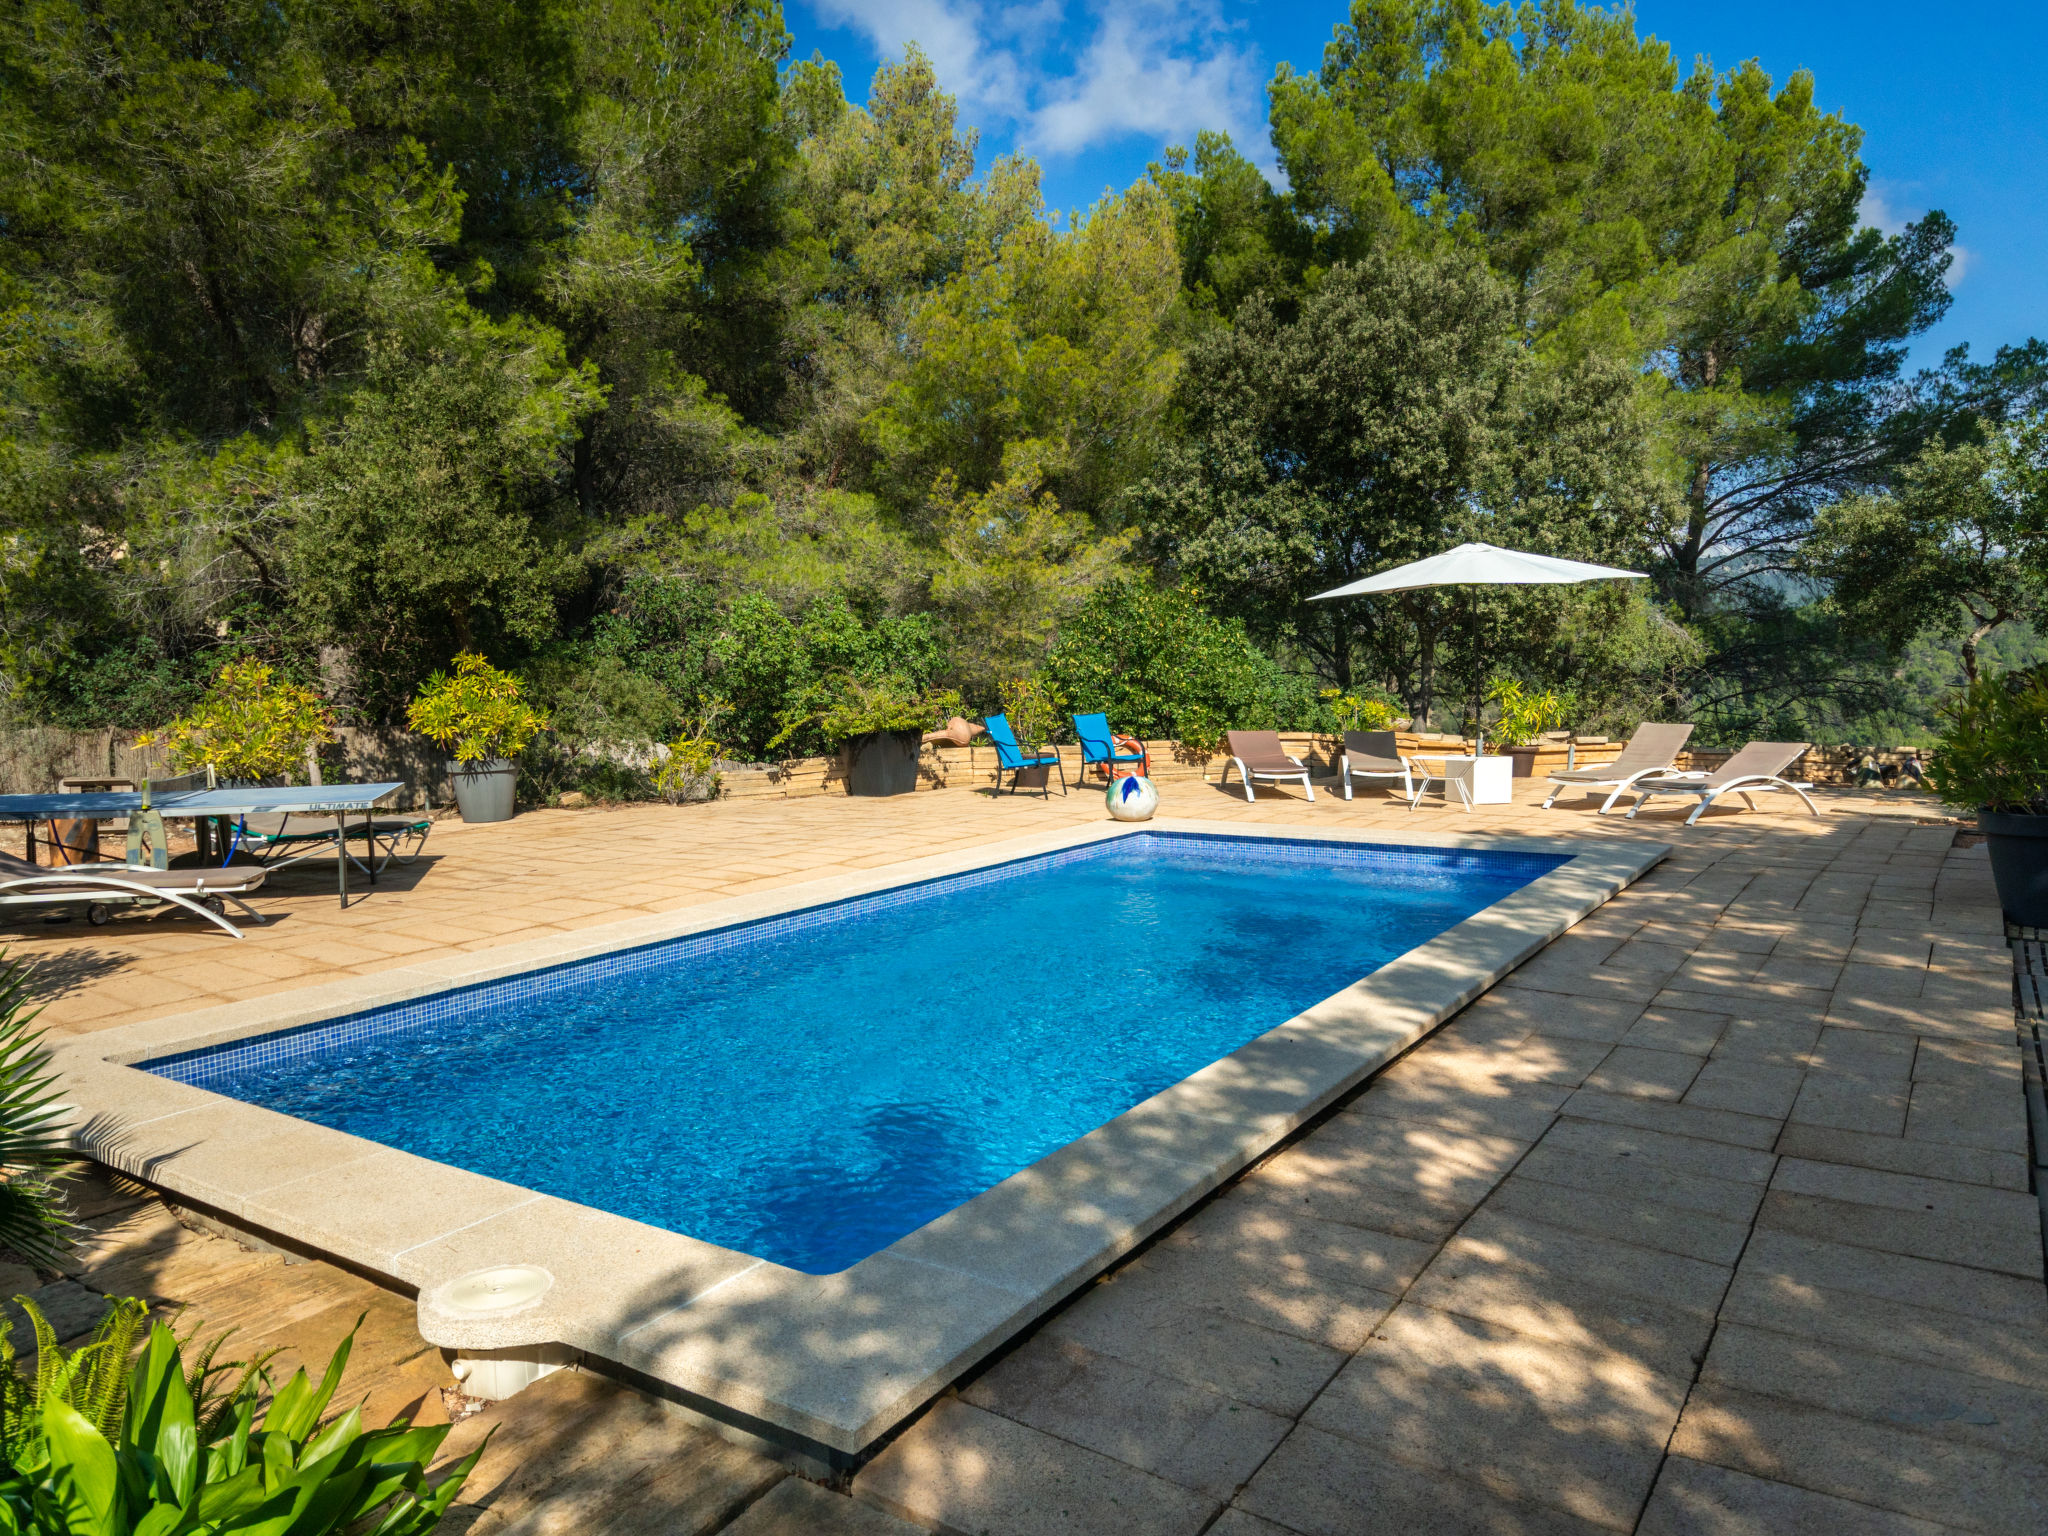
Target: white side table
[{"x": 1481, "y": 780}]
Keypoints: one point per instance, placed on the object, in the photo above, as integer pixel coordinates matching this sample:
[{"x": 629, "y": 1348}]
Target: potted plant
[
  {"x": 1524, "y": 717},
  {"x": 1992, "y": 758},
  {"x": 879, "y": 721},
  {"x": 479, "y": 718}
]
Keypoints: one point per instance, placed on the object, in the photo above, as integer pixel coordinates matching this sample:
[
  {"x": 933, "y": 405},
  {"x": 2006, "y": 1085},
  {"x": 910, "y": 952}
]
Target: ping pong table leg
[{"x": 341, "y": 854}]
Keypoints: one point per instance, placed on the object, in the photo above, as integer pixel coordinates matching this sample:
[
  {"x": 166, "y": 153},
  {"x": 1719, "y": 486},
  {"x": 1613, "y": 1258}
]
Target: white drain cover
[{"x": 501, "y": 1289}]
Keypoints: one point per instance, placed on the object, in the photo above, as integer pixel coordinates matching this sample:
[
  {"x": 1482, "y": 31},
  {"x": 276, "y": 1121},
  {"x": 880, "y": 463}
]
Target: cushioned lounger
[
  {"x": 1758, "y": 767},
  {"x": 198, "y": 891},
  {"x": 1652, "y": 750},
  {"x": 1258, "y": 755}
]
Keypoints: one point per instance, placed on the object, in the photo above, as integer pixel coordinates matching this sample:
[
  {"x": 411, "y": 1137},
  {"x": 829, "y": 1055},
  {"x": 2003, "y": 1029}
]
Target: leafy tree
[
  {"x": 1159, "y": 665},
  {"x": 1959, "y": 548}
]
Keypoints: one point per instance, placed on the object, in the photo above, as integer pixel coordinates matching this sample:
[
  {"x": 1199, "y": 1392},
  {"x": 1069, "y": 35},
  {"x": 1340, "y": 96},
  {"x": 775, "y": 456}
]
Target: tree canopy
[{"x": 604, "y": 339}]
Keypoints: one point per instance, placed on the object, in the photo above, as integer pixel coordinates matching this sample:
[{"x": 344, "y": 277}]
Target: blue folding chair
[
  {"x": 1014, "y": 759},
  {"x": 1098, "y": 747}
]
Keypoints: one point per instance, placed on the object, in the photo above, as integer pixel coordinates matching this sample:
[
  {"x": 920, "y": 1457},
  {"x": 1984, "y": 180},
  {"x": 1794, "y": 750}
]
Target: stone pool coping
[{"x": 822, "y": 1364}]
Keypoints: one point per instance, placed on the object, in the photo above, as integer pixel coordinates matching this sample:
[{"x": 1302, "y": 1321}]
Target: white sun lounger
[
  {"x": 1375, "y": 755},
  {"x": 1757, "y": 768},
  {"x": 202, "y": 892},
  {"x": 1652, "y": 750}
]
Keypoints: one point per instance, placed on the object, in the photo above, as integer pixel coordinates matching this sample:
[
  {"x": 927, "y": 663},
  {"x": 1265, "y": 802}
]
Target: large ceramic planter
[
  {"x": 483, "y": 789},
  {"x": 2019, "y": 864},
  {"x": 1525, "y": 761},
  {"x": 882, "y": 762}
]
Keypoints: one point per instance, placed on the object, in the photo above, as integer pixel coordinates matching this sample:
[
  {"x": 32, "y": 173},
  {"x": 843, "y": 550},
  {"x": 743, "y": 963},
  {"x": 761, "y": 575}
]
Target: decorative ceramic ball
[{"x": 1132, "y": 799}]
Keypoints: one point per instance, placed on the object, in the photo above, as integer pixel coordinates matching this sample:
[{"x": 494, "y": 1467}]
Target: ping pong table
[{"x": 340, "y": 801}]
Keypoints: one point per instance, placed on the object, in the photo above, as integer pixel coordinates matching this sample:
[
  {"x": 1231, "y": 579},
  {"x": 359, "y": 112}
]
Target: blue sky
[{"x": 1953, "y": 100}]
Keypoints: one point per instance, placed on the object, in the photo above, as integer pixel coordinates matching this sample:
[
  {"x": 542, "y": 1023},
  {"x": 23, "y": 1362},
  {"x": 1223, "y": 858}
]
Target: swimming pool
[
  {"x": 820, "y": 1365},
  {"x": 809, "y": 1089}
]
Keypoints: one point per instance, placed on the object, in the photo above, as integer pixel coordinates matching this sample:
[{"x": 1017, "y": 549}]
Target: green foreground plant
[
  {"x": 849, "y": 705},
  {"x": 95, "y": 1447},
  {"x": 250, "y": 724},
  {"x": 1993, "y": 753},
  {"x": 477, "y": 714},
  {"x": 34, "y": 1220},
  {"x": 1353, "y": 713}
]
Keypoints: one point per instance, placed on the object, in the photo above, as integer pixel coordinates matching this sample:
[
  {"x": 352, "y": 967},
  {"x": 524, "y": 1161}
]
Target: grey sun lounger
[
  {"x": 202, "y": 892},
  {"x": 1652, "y": 750},
  {"x": 1758, "y": 767},
  {"x": 1259, "y": 757},
  {"x": 1374, "y": 755}
]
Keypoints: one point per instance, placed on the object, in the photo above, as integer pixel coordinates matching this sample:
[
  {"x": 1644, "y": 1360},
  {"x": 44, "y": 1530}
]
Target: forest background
[{"x": 603, "y": 338}]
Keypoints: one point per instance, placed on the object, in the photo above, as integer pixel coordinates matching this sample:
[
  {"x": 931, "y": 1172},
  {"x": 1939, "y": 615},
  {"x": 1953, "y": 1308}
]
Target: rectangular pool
[{"x": 810, "y": 1088}]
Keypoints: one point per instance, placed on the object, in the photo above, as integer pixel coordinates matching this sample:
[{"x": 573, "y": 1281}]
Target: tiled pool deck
[{"x": 1713, "y": 1218}]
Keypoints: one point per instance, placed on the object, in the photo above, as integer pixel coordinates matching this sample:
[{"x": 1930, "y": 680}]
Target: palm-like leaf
[{"x": 34, "y": 1220}]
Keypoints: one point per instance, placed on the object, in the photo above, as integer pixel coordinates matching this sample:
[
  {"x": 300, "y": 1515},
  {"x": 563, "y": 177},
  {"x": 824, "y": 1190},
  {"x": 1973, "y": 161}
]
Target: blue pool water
[{"x": 811, "y": 1088}]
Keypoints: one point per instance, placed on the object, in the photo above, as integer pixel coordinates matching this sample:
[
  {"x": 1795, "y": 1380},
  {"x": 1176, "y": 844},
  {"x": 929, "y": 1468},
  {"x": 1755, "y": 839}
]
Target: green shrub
[
  {"x": 250, "y": 724},
  {"x": 1993, "y": 751},
  {"x": 477, "y": 714},
  {"x": 1154, "y": 661},
  {"x": 95, "y": 1447},
  {"x": 849, "y": 704},
  {"x": 1349, "y": 712}
]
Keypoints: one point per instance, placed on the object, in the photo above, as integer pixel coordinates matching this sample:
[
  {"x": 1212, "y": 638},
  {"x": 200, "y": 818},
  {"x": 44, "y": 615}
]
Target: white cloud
[
  {"x": 1960, "y": 259},
  {"x": 1164, "y": 69}
]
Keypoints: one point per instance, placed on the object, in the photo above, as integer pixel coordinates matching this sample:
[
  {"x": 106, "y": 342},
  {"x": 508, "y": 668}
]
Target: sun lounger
[
  {"x": 1258, "y": 755},
  {"x": 1758, "y": 767},
  {"x": 1652, "y": 750},
  {"x": 202, "y": 892},
  {"x": 1375, "y": 755},
  {"x": 273, "y": 840}
]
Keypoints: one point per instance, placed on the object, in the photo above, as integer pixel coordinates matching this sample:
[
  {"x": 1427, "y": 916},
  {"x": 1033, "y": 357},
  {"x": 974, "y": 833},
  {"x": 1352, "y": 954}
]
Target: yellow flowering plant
[
  {"x": 251, "y": 724},
  {"x": 477, "y": 714}
]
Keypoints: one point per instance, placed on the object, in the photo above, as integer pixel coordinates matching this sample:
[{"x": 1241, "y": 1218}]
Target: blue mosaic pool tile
[{"x": 217, "y": 1065}]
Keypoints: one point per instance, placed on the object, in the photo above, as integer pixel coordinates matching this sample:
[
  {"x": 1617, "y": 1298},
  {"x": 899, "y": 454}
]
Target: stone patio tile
[
  {"x": 1615, "y": 1176},
  {"x": 1796, "y": 1005},
  {"x": 1503, "y": 1239},
  {"x": 1758, "y": 1088},
  {"x": 1893, "y": 1154},
  {"x": 1966, "y": 1063},
  {"x": 1574, "y": 1429},
  {"x": 1677, "y": 1029},
  {"x": 1235, "y": 1522},
  {"x": 1315, "y": 1307},
  {"x": 1662, "y": 1149},
  {"x": 1482, "y": 1107},
  {"x": 1952, "y": 1405},
  {"x": 1934, "y": 1284},
  {"x": 1418, "y": 1201},
  {"x": 1625, "y": 1218},
  {"x": 960, "y": 1468},
  {"x": 1249, "y": 1226},
  {"x": 1776, "y": 1297},
  {"x": 1990, "y": 1208},
  {"x": 1321, "y": 1484},
  {"x": 1548, "y": 1058},
  {"x": 1580, "y": 1013},
  {"x": 1967, "y": 1115},
  {"x": 1911, "y": 951},
  {"x": 2008, "y": 1246},
  {"x": 794, "y": 1507},
  {"x": 1783, "y": 1042},
  {"x": 1145, "y": 1326},
  {"x": 1186, "y": 1434},
  {"x": 1891, "y": 982},
  {"x": 1797, "y": 970},
  {"x": 1848, "y": 1102},
  {"x": 1645, "y": 1074},
  {"x": 1689, "y": 1120},
  {"x": 1889, "y": 1466},
  {"x": 1694, "y": 1498}
]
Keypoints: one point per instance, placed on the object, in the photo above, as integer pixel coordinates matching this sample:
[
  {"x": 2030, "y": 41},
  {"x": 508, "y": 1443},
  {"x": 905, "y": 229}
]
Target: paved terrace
[{"x": 1715, "y": 1217}]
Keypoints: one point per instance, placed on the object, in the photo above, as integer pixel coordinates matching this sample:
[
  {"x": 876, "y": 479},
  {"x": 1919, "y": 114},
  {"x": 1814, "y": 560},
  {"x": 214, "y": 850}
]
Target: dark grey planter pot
[
  {"x": 882, "y": 762},
  {"x": 2019, "y": 864},
  {"x": 483, "y": 789},
  {"x": 1525, "y": 761}
]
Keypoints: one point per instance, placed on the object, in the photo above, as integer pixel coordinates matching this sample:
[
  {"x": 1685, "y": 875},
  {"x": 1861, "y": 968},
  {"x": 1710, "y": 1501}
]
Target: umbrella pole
[{"x": 1478, "y": 679}]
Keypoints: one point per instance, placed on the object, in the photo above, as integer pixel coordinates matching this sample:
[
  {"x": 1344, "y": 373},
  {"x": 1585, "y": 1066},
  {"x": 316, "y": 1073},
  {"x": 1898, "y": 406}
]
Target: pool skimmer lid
[{"x": 488, "y": 1292}]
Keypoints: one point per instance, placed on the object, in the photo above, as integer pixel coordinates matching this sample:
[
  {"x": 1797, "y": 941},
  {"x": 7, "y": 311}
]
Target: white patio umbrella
[{"x": 1479, "y": 565}]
